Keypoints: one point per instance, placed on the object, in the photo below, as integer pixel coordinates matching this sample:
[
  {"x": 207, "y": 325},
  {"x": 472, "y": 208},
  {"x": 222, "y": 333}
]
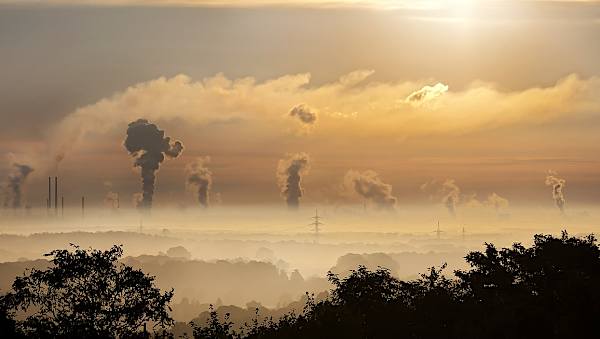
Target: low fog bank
[{"x": 245, "y": 258}]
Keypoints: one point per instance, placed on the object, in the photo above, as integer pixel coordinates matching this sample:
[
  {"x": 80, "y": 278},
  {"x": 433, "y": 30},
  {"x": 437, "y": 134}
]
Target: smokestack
[
  {"x": 55, "y": 195},
  {"x": 62, "y": 206},
  {"x": 82, "y": 207},
  {"x": 49, "y": 192}
]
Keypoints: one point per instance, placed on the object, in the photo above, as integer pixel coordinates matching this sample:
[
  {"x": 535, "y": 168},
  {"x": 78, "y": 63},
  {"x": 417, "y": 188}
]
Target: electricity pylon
[
  {"x": 316, "y": 224},
  {"x": 438, "y": 232}
]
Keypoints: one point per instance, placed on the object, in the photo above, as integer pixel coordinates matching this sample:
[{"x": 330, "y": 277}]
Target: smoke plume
[
  {"x": 14, "y": 186},
  {"x": 199, "y": 178},
  {"x": 289, "y": 176},
  {"x": 111, "y": 199},
  {"x": 558, "y": 185},
  {"x": 369, "y": 186},
  {"x": 148, "y": 145},
  {"x": 305, "y": 114},
  {"x": 448, "y": 192},
  {"x": 496, "y": 201}
]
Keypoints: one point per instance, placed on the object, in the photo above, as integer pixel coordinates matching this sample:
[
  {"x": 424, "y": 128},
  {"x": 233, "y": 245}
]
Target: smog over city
[{"x": 268, "y": 159}]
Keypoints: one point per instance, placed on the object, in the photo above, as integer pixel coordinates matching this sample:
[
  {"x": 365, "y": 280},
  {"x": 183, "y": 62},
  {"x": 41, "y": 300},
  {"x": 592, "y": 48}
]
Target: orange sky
[{"x": 492, "y": 101}]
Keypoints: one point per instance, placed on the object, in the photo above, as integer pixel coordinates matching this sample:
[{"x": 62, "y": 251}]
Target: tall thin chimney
[
  {"x": 83, "y": 207},
  {"x": 56, "y": 195},
  {"x": 62, "y": 206},
  {"x": 49, "y": 201}
]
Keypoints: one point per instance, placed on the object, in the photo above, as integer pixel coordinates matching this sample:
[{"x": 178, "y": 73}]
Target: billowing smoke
[
  {"x": 448, "y": 192},
  {"x": 148, "y": 145},
  {"x": 426, "y": 93},
  {"x": 14, "y": 185},
  {"x": 199, "y": 178},
  {"x": 496, "y": 201},
  {"x": 558, "y": 186},
  {"x": 369, "y": 186},
  {"x": 305, "y": 114},
  {"x": 289, "y": 176}
]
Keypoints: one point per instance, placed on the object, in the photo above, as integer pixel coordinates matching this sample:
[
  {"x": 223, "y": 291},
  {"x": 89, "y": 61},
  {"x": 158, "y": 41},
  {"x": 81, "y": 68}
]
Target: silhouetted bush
[{"x": 84, "y": 294}]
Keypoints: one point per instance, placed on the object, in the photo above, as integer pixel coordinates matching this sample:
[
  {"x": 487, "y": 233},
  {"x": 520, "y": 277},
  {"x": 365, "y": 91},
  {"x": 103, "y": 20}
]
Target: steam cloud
[
  {"x": 369, "y": 186},
  {"x": 558, "y": 185},
  {"x": 304, "y": 113},
  {"x": 199, "y": 177},
  {"x": 447, "y": 190},
  {"x": 15, "y": 183},
  {"x": 111, "y": 199},
  {"x": 289, "y": 176},
  {"x": 427, "y": 93},
  {"x": 148, "y": 145}
]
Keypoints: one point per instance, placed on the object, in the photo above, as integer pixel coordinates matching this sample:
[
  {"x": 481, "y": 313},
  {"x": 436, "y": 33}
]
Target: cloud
[
  {"x": 305, "y": 114},
  {"x": 348, "y": 108},
  {"x": 427, "y": 93},
  {"x": 370, "y": 187}
]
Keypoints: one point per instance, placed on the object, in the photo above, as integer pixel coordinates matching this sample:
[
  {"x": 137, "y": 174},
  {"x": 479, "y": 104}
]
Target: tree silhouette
[
  {"x": 86, "y": 294},
  {"x": 549, "y": 290}
]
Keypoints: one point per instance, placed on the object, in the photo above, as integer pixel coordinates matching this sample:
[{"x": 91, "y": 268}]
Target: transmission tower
[{"x": 316, "y": 224}]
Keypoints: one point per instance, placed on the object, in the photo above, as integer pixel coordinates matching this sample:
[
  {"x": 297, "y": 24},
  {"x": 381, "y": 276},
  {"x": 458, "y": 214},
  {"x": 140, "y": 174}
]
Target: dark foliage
[
  {"x": 550, "y": 290},
  {"x": 84, "y": 294}
]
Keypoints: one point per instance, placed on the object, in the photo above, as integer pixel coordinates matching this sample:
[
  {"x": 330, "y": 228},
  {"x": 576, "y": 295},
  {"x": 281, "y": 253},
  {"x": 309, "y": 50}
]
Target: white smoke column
[
  {"x": 558, "y": 185},
  {"x": 148, "y": 145},
  {"x": 450, "y": 195},
  {"x": 369, "y": 186},
  {"x": 448, "y": 192},
  {"x": 111, "y": 199},
  {"x": 15, "y": 183},
  {"x": 289, "y": 177},
  {"x": 199, "y": 178},
  {"x": 496, "y": 201}
]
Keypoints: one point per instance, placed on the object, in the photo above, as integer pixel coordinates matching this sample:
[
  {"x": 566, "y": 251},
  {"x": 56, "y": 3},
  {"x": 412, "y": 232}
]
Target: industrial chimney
[
  {"x": 55, "y": 195},
  {"x": 49, "y": 201}
]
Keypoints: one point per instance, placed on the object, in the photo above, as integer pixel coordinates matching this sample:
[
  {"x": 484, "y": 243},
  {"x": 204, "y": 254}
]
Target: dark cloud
[
  {"x": 289, "y": 175},
  {"x": 199, "y": 177},
  {"x": 304, "y": 113},
  {"x": 369, "y": 186},
  {"x": 148, "y": 145}
]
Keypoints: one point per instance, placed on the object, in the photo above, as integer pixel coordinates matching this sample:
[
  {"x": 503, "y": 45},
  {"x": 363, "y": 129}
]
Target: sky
[{"x": 388, "y": 103}]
